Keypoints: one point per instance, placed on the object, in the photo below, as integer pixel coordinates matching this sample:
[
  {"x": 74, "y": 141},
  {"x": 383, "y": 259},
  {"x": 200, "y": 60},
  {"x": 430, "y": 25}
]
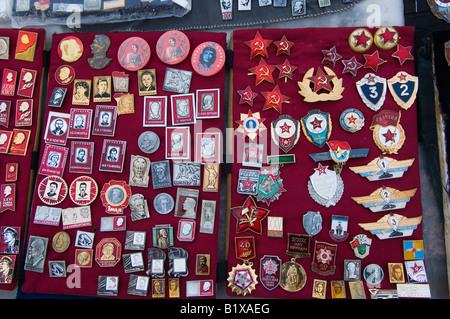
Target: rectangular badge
[
  {"x": 46, "y": 215},
  {"x": 8, "y": 82},
  {"x": 81, "y": 92},
  {"x": 19, "y": 142},
  {"x": 199, "y": 288},
  {"x": 208, "y": 104},
  {"x": 155, "y": 111},
  {"x": 57, "y": 97},
  {"x": 298, "y": 245},
  {"x": 245, "y": 247},
  {"x": 76, "y": 217},
  {"x": 57, "y": 128},
  {"x": 27, "y": 81},
  {"x": 102, "y": 89},
  {"x": 24, "y": 112},
  {"x": 26, "y": 45},
  {"x": 211, "y": 177},
  {"x": 5, "y": 110},
  {"x": 183, "y": 109},
  {"x": 53, "y": 160},
  {"x": 12, "y": 171},
  {"x": 80, "y": 124},
  {"x": 81, "y": 157},
  {"x": 8, "y": 246},
  {"x": 248, "y": 181},
  {"x": 104, "y": 120},
  {"x": 178, "y": 141},
  {"x": 207, "y": 148},
  {"x": 5, "y": 141},
  {"x": 208, "y": 216},
  {"x": 113, "y": 156},
  {"x": 8, "y": 199}
]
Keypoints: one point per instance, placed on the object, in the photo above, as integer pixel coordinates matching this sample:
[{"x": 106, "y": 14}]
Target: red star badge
[
  {"x": 322, "y": 80},
  {"x": 389, "y": 136},
  {"x": 249, "y": 216},
  {"x": 351, "y": 66},
  {"x": 285, "y": 128},
  {"x": 373, "y": 61},
  {"x": 331, "y": 56},
  {"x": 321, "y": 169},
  {"x": 286, "y": 70},
  {"x": 263, "y": 72},
  {"x": 403, "y": 54},
  {"x": 251, "y": 124},
  {"x": 361, "y": 39},
  {"x": 284, "y": 46},
  {"x": 247, "y": 96},
  {"x": 388, "y": 36},
  {"x": 258, "y": 46},
  {"x": 316, "y": 123},
  {"x": 274, "y": 99}
]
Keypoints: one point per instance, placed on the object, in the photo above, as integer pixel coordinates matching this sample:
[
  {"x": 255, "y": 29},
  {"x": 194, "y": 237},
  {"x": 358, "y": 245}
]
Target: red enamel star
[
  {"x": 274, "y": 99},
  {"x": 331, "y": 56},
  {"x": 373, "y": 61},
  {"x": 351, "y": 66},
  {"x": 316, "y": 123},
  {"x": 352, "y": 119},
  {"x": 321, "y": 169},
  {"x": 361, "y": 39},
  {"x": 403, "y": 54},
  {"x": 263, "y": 72},
  {"x": 249, "y": 216},
  {"x": 258, "y": 46},
  {"x": 284, "y": 46},
  {"x": 322, "y": 80},
  {"x": 285, "y": 128},
  {"x": 286, "y": 70},
  {"x": 389, "y": 136},
  {"x": 402, "y": 77},
  {"x": 247, "y": 96},
  {"x": 248, "y": 183},
  {"x": 416, "y": 269},
  {"x": 388, "y": 36}
]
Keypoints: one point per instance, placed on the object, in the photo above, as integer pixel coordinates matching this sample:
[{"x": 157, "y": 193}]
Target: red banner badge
[
  {"x": 324, "y": 260},
  {"x": 245, "y": 248}
]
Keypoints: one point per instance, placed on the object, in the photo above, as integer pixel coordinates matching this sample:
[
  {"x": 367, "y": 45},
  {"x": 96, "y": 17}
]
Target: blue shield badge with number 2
[
  {"x": 403, "y": 88},
  {"x": 372, "y": 90}
]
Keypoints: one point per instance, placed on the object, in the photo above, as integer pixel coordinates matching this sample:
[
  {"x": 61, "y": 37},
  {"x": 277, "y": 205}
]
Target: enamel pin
[
  {"x": 440, "y": 9},
  {"x": 413, "y": 249},
  {"x": 331, "y": 56},
  {"x": 372, "y": 90},
  {"x": 258, "y": 46},
  {"x": 284, "y": 46},
  {"x": 316, "y": 126},
  {"x": 247, "y": 96},
  {"x": 108, "y": 252},
  {"x": 298, "y": 245},
  {"x": 270, "y": 186},
  {"x": 249, "y": 216},
  {"x": 351, "y": 66},
  {"x": 392, "y": 226},
  {"x": 178, "y": 262},
  {"x": 352, "y": 120},
  {"x": 312, "y": 223},
  {"x": 339, "y": 228},
  {"x": 386, "y": 38},
  {"x": 263, "y": 72},
  {"x": 373, "y": 61},
  {"x": 415, "y": 270},
  {"x": 385, "y": 198},
  {"x": 270, "y": 271},
  {"x": 293, "y": 275},
  {"x": 248, "y": 181},
  {"x": 361, "y": 245},
  {"x": 324, "y": 259},
  {"x": 26, "y": 45},
  {"x": 403, "y": 54},
  {"x": 382, "y": 168},
  {"x": 325, "y": 186},
  {"x": 242, "y": 279},
  {"x": 274, "y": 99},
  {"x": 115, "y": 196},
  {"x": 285, "y": 132},
  {"x": 8, "y": 197},
  {"x": 156, "y": 258},
  {"x": 387, "y": 132},
  {"x": 208, "y": 58},
  {"x": 339, "y": 152},
  {"x": 275, "y": 226},
  {"x": 83, "y": 190},
  {"x": 286, "y": 70},
  {"x": 251, "y": 124},
  {"x": 360, "y": 40},
  {"x": 327, "y": 86},
  {"x": 403, "y": 88}
]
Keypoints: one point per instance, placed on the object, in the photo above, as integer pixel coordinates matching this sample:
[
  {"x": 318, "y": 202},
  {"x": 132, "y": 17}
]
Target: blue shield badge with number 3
[{"x": 372, "y": 90}]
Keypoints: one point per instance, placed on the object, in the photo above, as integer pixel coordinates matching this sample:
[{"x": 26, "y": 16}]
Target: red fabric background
[
  {"x": 293, "y": 204},
  {"x": 128, "y": 128},
  {"x": 18, "y": 217}
]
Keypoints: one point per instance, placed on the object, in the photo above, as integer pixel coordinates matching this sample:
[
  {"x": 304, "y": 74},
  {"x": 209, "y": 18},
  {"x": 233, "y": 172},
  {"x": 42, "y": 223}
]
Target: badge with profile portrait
[
  {"x": 115, "y": 196},
  {"x": 70, "y": 49}
]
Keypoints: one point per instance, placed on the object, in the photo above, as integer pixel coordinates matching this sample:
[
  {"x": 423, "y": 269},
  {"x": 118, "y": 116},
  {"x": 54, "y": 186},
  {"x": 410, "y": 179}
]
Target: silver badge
[
  {"x": 325, "y": 186},
  {"x": 148, "y": 142},
  {"x": 312, "y": 223},
  {"x": 163, "y": 203}
]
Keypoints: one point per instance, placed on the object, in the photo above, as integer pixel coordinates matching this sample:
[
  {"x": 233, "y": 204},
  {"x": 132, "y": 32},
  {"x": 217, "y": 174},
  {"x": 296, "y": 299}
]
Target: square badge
[
  {"x": 183, "y": 112},
  {"x": 113, "y": 156}
]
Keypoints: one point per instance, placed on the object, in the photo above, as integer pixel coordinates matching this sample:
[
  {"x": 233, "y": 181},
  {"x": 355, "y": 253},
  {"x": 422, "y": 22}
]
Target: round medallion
[
  {"x": 373, "y": 274},
  {"x": 115, "y": 196},
  {"x": 386, "y": 38},
  {"x": 352, "y": 120},
  {"x": 163, "y": 203},
  {"x": 134, "y": 54},
  {"x": 70, "y": 49},
  {"x": 208, "y": 58},
  {"x": 61, "y": 241},
  {"x": 148, "y": 142},
  {"x": 64, "y": 75},
  {"x": 83, "y": 190},
  {"x": 360, "y": 40},
  {"x": 52, "y": 190},
  {"x": 173, "y": 47},
  {"x": 293, "y": 276}
]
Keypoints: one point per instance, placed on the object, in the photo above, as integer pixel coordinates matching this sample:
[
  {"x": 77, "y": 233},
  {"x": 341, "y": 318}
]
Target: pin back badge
[
  {"x": 270, "y": 271},
  {"x": 386, "y": 38},
  {"x": 26, "y": 45},
  {"x": 251, "y": 124},
  {"x": 108, "y": 252},
  {"x": 134, "y": 53},
  {"x": 387, "y": 132},
  {"x": 258, "y": 46},
  {"x": 385, "y": 199},
  {"x": 324, "y": 259},
  {"x": 382, "y": 168},
  {"x": 325, "y": 186},
  {"x": 285, "y": 132},
  {"x": 403, "y": 88},
  {"x": 208, "y": 58},
  {"x": 52, "y": 190},
  {"x": 249, "y": 216},
  {"x": 115, "y": 196},
  {"x": 70, "y": 49},
  {"x": 352, "y": 120},
  {"x": 173, "y": 47},
  {"x": 270, "y": 185},
  {"x": 339, "y": 228},
  {"x": 372, "y": 90},
  {"x": 361, "y": 245},
  {"x": 312, "y": 223},
  {"x": 316, "y": 126},
  {"x": 247, "y": 96},
  {"x": 326, "y": 85},
  {"x": 392, "y": 226},
  {"x": 83, "y": 190},
  {"x": 242, "y": 279},
  {"x": 360, "y": 40}
]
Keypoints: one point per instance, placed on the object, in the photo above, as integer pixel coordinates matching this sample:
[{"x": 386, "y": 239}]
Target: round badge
[
  {"x": 208, "y": 58},
  {"x": 61, "y": 241},
  {"x": 115, "y": 196},
  {"x": 352, "y": 120},
  {"x": 148, "y": 142},
  {"x": 386, "y": 38},
  {"x": 52, "y": 190},
  {"x": 134, "y": 53},
  {"x": 64, "y": 75},
  {"x": 173, "y": 47},
  {"x": 83, "y": 190},
  {"x": 70, "y": 49},
  {"x": 360, "y": 40},
  {"x": 373, "y": 274},
  {"x": 293, "y": 276},
  {"x": 163, "y": 203}
]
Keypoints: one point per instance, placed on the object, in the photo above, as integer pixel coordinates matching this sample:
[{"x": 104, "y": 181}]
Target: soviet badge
[
  {"x": 360, "y": 40},
  {"x": 285, "y": 132},
  {"x": 274, "y": 99},
  {"x": 323, "y": 86},
  {"x": 284, "y": 46},
  {"x": 331, "y": 56},
  {"x": 372, "y": 90},
  {"x": 403, "y": 54},
  {"x": 339, "y": 228},
  {"x": 258, "y": 46},
  {"x": 403, "y": 88},
  {"x": 270, "y": 186},
  {"x": 263, "y": 72},
  {"x": 249, "y": 216},
  {"x": 361, "y": 245},
  {"x": 386, "y": 38},
  {"x": 387, "y": 132},
  {"x": 115, "y": 196},
  {"x": 247, "y": 96},
  {"x": 270, "y": 271},
  {"x": 251, "y": 124},
  {"x": 242, "y": 279},
  {"x": 316, "y": 126},
  {"x": 325, "y": 186},
  {"x": 382, "y": 168},
  {"x": 392, "y": 226},
  {"x": 99, "y": 48},
  {"x": 312, "y": 223},
  {"x": 324, "y": 258},
  {"x": 352, "y": 120},
  {"x": 385, "y": 198}
]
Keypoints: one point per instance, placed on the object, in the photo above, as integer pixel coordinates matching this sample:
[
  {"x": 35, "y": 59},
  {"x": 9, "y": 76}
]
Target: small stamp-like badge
[
  {"x": 5, "y": 110},
  {"x": 57, "y": 128},
  {"x": 208, "y": 103},
  {"x": 155, "y": 111},
  {"x": 8, "y": 197},
  {"x": 27, "y": 80},
  {"x": 76, "y": 217},
  {"x": 113, "y": 156},
  {"x": 207, "y": 148},
  {"x": 53, "y": 160},
  {"x": 178, "y": 143},
  {"x": 81, "y": 157},
  {"x": 80, "y": 124},
  {"x": 105, "y": 118},
  {"x": 24, "y": 112},
  {"x": 339, "y": 227},
  {"x": 186, "y": 204},
  {"x": 361, "y": 245},
  {"x": 248, "y": 181},
  {"x": 8, "y": 82},
  {"x": 161, "y": 174}
]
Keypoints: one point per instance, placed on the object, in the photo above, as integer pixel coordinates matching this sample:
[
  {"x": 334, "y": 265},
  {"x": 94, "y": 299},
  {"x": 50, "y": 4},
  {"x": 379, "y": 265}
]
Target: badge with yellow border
[{"x": 388, "y": 134}]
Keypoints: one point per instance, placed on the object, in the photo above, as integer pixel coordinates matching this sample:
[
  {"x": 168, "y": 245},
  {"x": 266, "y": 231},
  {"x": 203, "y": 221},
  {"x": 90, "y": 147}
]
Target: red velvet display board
[
  {"x": 305, "y": 54},
  {"x": 128, "y": 128},
  {"x": 18, "y": 217}
]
